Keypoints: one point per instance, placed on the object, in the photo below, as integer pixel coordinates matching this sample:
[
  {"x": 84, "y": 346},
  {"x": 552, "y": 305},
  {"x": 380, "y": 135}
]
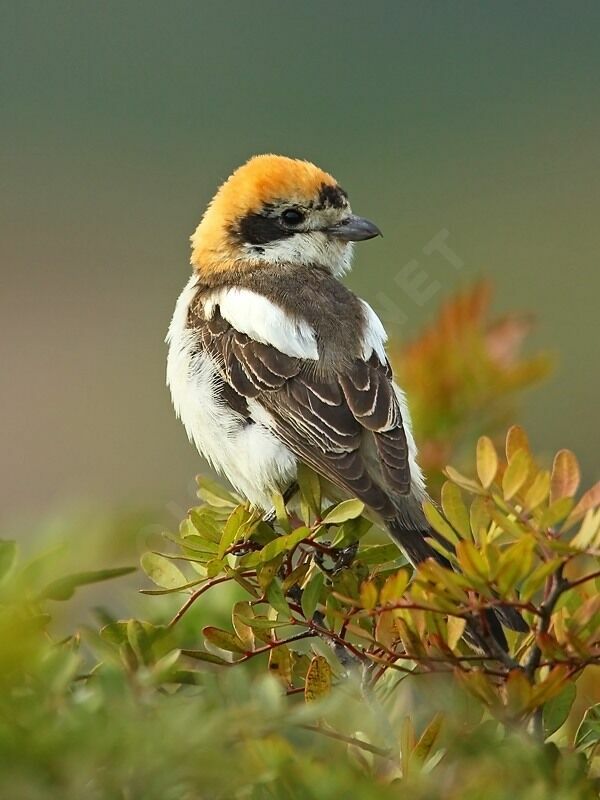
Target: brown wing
[{"x": 347, "y": 426}]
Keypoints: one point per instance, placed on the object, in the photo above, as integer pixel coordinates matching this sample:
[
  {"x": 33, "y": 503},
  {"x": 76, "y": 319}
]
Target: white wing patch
[
  {"x": 374, "y": 335},
  {"x": 260, "y": 319}
]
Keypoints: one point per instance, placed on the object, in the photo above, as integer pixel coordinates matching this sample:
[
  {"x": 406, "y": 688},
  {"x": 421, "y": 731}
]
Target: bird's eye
[{"x": 291, "y": 216}]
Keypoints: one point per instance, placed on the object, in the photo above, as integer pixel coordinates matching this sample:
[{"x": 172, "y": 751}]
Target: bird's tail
[{"x": 415, "y": 546}]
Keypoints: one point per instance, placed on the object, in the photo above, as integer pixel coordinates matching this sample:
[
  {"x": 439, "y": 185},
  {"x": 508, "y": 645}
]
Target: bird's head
[{"x": 278, "y": 210}]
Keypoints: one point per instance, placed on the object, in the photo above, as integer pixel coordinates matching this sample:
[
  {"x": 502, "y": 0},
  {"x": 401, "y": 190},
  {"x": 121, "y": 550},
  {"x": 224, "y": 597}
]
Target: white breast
[{"x": 250, "y": 456}]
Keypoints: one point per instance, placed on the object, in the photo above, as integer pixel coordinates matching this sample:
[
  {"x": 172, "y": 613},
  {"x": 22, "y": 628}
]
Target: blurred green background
[{"x": 120, "y": 118}]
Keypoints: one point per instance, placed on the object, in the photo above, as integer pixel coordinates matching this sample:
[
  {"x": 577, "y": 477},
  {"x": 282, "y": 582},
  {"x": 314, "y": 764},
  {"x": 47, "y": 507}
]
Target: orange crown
[{"x": 263, "y": 179}]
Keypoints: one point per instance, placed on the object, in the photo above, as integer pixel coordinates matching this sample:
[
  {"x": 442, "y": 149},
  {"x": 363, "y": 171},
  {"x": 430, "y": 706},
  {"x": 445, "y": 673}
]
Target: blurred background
[{"x": 475, "y": 125}]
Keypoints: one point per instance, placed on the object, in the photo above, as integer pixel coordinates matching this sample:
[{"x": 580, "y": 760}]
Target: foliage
[
  {"x": 462, "y": 374},
  {"x": 335, "y": 654},
  {"x": 299, "y": 656}
]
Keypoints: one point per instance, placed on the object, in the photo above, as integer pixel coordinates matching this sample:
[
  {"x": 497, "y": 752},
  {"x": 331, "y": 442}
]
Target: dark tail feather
[{"x": 416, "y": 548}]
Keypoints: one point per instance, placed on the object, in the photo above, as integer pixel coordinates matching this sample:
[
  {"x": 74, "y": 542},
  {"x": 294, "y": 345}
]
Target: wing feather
[{"x": 347, "y": 425}]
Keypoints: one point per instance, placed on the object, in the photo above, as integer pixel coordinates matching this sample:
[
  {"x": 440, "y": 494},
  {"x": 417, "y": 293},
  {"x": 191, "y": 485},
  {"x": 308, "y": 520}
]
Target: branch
[
  {"x": 560, "y": 585},
  {"x": 195, "y": 595},
  {"x": 370, "y": 748}
]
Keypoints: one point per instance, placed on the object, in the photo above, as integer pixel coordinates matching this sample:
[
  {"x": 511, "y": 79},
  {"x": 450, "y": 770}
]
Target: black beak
[{"x": 354, "y": 229}]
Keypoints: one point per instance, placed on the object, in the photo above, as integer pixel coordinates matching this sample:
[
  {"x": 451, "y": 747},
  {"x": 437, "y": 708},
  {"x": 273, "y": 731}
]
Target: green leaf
[
  {"x": 556, "y": 711},
  {"x": 204, "y": 523},
  {"x": 381, "y": 554},
  {"x": 277, "y": 599},
  {"x": 203, "y": 655},
  {"x": 63, "y": 588},
  {"x": 266, "y": 572},
  {"x": 428, "y": 738},
  {"x": 162, "y": 572},
  {"x": 232, "y": 528},
  {"x": 281, "y": 511},
  {"x": 311, "y": 595},
  {"x": 263, "y": 623},
  {"x": 280, "y": 545},
  {"x": 347, "y": 509},
  {"x": 214, "y": 494},
  {"x": 223, "y": 639},
  {"x": 588, "y": 733},
  {"x": 8, "y": 556},
  {"x": 214, "y": 567}
]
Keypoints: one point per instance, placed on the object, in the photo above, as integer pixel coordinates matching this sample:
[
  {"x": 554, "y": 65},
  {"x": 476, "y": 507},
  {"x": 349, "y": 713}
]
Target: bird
[{"x": 274, "y": 362}]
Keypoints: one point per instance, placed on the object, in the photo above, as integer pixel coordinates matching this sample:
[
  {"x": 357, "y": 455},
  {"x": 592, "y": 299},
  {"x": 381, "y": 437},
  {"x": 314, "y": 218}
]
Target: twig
[
  {"x": 199, "y": 592},
  {"x": 559, "y": 586},
  {"x": 370, "y": 748},
  {"x": 584, "y": 579}
]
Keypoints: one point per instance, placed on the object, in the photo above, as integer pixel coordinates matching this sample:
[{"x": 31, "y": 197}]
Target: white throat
[{"x": 307, "y": 248}]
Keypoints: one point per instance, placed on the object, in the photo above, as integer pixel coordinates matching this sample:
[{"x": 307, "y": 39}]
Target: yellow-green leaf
[
  {"x": 368, "y": 594},
  {"x": 537, "y": 578},
  {"x": 162, "y": 571},
  {"x": 245, "y": 634},
  {"x": 438, "y": 523},
  {"x": 588, "y": 532},
  {"x": 232, "y": 528},
  {"x": 223, "y": 639},
  {"x": 516, "y": 439},
  {"x": 555, "y": 513},
  {"x": 588, "y": 501},
  {"x": 465, "y": 483},
  {"x": 280, "y": 663},
  {"x": 516, "y": 473},
  {"x": 214, "y": 494},
  {"x": 428, "y": 738},
  {"x": 281, "y": 511},
  {"x": 518, "y": 693},
  {"x": 394, "y": 587},
  {"x": 538, "y": 491},
  {"x": 455, "y": 510},
  {"x": 487, "y": 461},
  {"x": 479, "y": 516},
  {"x": 472, "y": 561},
  {"x": 565, "y": 475},
  {"x": 456, "y": 628},
  {"x": 318, "y": 679},
  {"x": 310, "y": 487}
]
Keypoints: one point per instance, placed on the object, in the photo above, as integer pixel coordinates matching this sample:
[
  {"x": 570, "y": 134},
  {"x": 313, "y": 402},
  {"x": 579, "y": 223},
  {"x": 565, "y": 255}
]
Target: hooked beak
[{"x": 354, "y": 229}]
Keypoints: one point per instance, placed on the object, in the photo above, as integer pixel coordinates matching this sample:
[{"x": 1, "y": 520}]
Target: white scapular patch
[
  {"x": 250, "y": 456},
  {"x": 260, "y": 319},
  {"x": 374, "y": 335}
]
